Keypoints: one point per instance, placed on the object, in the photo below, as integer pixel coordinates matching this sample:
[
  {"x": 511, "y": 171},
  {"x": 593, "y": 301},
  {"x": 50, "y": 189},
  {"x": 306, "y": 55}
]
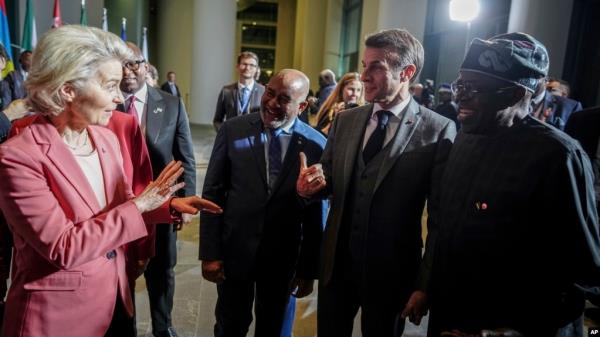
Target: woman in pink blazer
[{"x": 66, "y": 197}]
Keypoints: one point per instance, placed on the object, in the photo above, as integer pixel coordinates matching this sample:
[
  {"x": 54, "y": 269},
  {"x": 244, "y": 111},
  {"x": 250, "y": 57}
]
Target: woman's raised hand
[{"x": 160, "y": 190}]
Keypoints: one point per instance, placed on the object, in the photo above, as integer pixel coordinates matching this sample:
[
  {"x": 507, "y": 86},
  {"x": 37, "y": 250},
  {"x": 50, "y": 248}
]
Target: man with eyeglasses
[
  {"x": 518, "y": 238},
  {"x": 380, "y": 166},
  {"x": 164, "y": 121},
  {"x": 243, "y": 96}
]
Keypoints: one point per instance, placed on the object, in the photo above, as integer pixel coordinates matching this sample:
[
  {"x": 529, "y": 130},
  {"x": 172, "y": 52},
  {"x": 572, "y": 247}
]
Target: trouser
[
  {"x": 121, "y": 324},
  {"x": 234, "y": 306},
  {"x": 160, "y": 277},
  {"x": 338, "y": 304}
]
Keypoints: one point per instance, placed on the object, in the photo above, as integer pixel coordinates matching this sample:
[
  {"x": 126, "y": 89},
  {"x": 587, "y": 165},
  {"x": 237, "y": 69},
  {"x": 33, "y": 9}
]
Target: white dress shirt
[
  {"x": 393, "y": 122},
  {"x": 141, "y": 98}
]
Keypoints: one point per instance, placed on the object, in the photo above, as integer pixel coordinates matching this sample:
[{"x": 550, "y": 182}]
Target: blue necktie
[
  {"x": 244, "y": 97},
  {"x": 274, "y": 156},
  {"x": 377, "y": 138}
]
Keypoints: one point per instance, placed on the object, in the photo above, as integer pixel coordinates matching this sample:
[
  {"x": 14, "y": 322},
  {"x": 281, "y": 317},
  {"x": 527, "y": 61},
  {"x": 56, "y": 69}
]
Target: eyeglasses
[
  {"x": 248, "y": 65},
  {"x": 467, "y": 89},
  {"x": 133, "y": 65}
]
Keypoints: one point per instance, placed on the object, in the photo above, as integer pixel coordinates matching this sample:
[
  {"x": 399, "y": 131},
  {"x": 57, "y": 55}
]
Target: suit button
[{"x": 111, "y": 255}]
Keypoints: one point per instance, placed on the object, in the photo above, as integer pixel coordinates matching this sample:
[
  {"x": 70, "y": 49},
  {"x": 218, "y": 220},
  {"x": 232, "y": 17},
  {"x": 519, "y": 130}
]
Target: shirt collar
[
  {"x": 288, "y": 129},
  {"x": 140, "y": 95},
  {"x": 249, "y": 86},
  {"x": 396, "y": 109}
]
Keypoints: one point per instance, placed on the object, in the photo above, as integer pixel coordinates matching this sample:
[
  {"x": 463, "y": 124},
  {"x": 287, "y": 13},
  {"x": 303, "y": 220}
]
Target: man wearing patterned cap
[{"x": 518, "y": 239}]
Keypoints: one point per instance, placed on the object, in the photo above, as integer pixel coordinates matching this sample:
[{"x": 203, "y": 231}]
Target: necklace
[{"x": 77, "y": 141}]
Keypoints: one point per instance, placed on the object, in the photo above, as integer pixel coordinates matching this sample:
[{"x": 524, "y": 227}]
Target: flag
[
  {"x": 83, "y": 17},
  {"x": 123, "y": 29},
  {"x": 145, "y": 43},
  {"x": 5, "y": 39},
  {"x": 104, "y": 20},
  {"x": 29, "y": 39},
  {"x": 57, "y": 20}
]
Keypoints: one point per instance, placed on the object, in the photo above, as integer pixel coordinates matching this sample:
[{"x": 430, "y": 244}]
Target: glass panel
[
  {"x": 265, "y": 55},
  {"x": 257, "y": 34},
  {"x": 260, "y": 11}
]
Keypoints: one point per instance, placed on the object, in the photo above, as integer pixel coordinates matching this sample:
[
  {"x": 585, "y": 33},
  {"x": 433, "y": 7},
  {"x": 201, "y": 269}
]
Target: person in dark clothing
[
  {"x": 518, "y": 237},
  {"x": 447, "y": 107}
]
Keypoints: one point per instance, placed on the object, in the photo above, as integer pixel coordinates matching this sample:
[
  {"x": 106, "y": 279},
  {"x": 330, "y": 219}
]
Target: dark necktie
[
  {"x": 377, "y": 138},
  {"x": 132, "y": 110},
  {"x": 274, "y": 156}
]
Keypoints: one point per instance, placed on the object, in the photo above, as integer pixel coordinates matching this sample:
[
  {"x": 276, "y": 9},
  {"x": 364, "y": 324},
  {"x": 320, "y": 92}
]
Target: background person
[{"x": 348, "y": 93}]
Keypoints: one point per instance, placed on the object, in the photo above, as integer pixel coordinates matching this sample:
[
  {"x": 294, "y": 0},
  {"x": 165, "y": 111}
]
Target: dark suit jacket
[
  {"x": 257, "y": 229},
  {"x": 16, "y": 89},
  {"x": 166, "y": 88},
  {"x": 228, "y": 106},
  {"x": 406, "y": 179},
  {"x": 168, "y": 136},
  {"x": 585, "y": 127},
  {"x": 561, "y": 109}
]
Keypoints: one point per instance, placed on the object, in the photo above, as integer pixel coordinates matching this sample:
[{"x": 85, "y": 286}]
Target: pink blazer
[
  {"x": 138, "y": 171},
  {"x": 66, "y": 276}
]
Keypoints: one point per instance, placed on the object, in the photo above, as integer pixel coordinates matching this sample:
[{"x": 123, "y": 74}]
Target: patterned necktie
[
  {"x": 274, "y": 156},
  {"x": 377, "y": 138},
  {"x": 132, "y": 110},
  {"x": 244, "y": 97}
]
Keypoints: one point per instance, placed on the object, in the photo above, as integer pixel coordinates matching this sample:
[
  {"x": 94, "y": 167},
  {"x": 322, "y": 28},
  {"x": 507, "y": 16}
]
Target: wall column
[{"x": 213, "y": 56}]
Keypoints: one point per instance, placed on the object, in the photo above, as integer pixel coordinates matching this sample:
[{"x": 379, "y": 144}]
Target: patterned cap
[{"x": 514, "y": 57}]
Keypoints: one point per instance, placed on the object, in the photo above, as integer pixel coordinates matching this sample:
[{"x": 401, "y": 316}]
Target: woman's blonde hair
[
  {"x": 337, "y": 95},
  {"x": 69, "y": 54}
]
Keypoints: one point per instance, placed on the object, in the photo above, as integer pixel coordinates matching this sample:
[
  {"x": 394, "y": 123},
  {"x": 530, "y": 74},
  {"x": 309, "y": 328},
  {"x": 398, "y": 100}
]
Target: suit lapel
[
  {"x": 155, "y": 114},
  {"x": 353, "y": 142},
  {"x": 60, "y": 155},
  {"x": 236, "y": 99},
  {"x": 296, "y": 145},
  {"x": 105, "y": 163},
  {"x": 408, "y": 123},
  {"x": 255, "y": 138}
]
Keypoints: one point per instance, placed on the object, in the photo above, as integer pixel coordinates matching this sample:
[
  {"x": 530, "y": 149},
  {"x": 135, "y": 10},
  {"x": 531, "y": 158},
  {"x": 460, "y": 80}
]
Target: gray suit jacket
[
  {"x": 168, "y": 136},
  {"x": 227, "y": 104},
  {"x": 406, "y": 179}
]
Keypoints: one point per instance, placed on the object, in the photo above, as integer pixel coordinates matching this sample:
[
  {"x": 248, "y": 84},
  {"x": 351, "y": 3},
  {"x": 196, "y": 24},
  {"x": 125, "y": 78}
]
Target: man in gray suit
[
  {"x": 243, "y": 96},
  {"x": 164, "y": 120},
  {"x": 381, "y": 163}
]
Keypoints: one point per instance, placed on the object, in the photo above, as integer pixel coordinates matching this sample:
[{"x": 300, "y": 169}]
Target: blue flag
[{"x": 124, "y": 29}]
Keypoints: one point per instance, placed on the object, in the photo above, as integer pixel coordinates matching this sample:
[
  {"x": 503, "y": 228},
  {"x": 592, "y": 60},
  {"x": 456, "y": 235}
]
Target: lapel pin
[
  {"x": 481, "y": 206},
  {"x": 157, "y": 110}
]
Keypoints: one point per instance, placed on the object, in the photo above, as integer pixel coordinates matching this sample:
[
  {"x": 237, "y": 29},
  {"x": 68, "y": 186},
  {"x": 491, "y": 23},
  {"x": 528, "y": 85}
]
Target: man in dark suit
[
  {"x": 170, "y": 86},
  {"x": 243, "y": 96},
  {"x": 20, "y": 75},
  {"x": 381, "y": 163},
  {"x": 266, "y": 242},
  {"x": 164, "y": 121},
  {"x": 553, "y": 109}
]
